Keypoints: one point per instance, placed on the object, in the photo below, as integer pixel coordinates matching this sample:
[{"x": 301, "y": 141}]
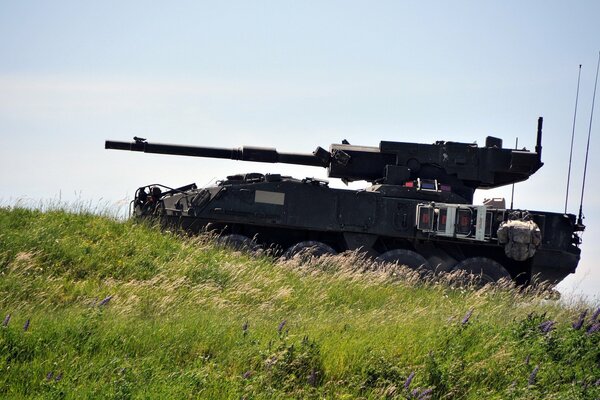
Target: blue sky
[{"x": 291, "y": 75}]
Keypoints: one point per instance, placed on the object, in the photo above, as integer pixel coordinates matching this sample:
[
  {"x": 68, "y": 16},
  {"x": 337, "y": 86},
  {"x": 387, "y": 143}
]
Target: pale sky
[{"x": 291, "y": 75}]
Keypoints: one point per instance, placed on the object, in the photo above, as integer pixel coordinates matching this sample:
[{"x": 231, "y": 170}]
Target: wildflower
[
  {"x": 596, "y": 315},
  {"x": 409, "y": 380},
  {"x": 58, "y": 377},
  {"x": 425, "y": 395},
  {"x": 579, "y": 323},
  {"x": 6, "y": 320},
  {"x": 247, "y": 374},
  {"x": 105, "y": 301},
  {"x": 594, "y": 328},
  {"x": 49, "y": 375},
  {"x": 547, "y": 326},
  {"x": 281, "y": 325},
  {"x": 533, "y": 375},
  {"x": 26, "y": 326},
  {"x": 597, "y": 383},
  {"x": 467, "y": 316},
  {"x": 415, "y": 392}
]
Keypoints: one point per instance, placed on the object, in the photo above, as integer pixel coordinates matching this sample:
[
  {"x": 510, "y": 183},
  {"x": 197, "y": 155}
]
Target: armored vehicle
[{"x": 418, "y": 210}]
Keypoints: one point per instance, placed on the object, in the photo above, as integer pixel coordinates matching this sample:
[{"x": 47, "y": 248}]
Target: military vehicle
[{"x": 417, "y": 211}]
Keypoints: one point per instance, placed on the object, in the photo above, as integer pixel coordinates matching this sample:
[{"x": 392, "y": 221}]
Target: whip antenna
[
  {"x": 587, "y": 150},
  {"x": 512, "y": 194},
  {"x": 572, "y": 139}
]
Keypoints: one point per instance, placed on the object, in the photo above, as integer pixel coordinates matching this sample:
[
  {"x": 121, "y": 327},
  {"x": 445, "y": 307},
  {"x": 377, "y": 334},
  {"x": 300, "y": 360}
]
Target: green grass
[{"x": 173, "y": 327}]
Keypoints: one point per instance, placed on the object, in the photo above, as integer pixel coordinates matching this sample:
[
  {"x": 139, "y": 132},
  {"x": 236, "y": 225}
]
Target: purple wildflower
[
  {"x": 596, "y": 315},
  {"x": 579, "y": 323},
  {"x": 58, "y": 377},
  {"x": 6, "y": 320},
  {"x": 594, "y": 328},
  {"x": 425, "y": 395},
  {"x": 247, "y": 374},
  {"x": 547, "y": 326},
  {"x": 467, "y": 316},
  {"x": 533, "y": 375},
  {"x": 415, "y": 392},
  {"x": 26, "y": 326},
  {"x": 105, "y": 301},
  {"x": 281, "y": 325},
  {"x": 49, "y": 375},
  {"x": 597, "y": 383},
  {"x": 409, "y": 380}
]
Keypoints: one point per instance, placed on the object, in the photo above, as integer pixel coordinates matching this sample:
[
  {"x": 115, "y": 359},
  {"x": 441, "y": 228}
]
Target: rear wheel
[
  {"x": 408, "y": 258},
  {"x": 238, "y": 242},
  {"x": 309, "y": 248},
  {"x": 485, "y": 269}
]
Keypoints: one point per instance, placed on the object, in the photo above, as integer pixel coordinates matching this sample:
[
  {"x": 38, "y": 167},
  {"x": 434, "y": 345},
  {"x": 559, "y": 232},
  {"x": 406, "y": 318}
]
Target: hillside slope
[{"x": 97, "y": 308}]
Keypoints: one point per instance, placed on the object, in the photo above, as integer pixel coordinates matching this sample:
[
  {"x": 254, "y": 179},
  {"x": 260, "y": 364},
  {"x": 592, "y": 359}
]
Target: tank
[{"x": 417, "y": 211}]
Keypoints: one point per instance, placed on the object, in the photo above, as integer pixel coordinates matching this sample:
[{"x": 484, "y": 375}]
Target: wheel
[
  {"x": 485, "y": 269},
  {"x": 309, "y": 248},
  {"x": 238, "y": 242},
  {"x": 408, "y": 258}
]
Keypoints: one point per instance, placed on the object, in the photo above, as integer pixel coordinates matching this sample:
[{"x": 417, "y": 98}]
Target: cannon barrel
[{"x": 246, "y": 153}]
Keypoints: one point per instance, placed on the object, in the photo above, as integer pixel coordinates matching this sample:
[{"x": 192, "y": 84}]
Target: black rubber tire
[
  {"x": 408, "y": 258},
  {"x": 488, "y": 270},
  {"x": 238, "y": 242},
  {"x": 309, "y": 248}
]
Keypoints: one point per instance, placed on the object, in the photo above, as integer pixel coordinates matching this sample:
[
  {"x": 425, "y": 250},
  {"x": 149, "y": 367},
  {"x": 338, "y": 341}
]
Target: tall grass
[{"x": 119, "y": 309}]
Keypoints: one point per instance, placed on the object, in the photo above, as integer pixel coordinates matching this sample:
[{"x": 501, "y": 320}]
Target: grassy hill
[{"x": 97, "y": 308}]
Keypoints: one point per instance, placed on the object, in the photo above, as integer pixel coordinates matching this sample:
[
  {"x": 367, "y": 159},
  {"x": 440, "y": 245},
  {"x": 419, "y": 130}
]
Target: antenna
[
  {"x": 512, "y": 194},
  {"x": 572, "y": 139},
  {"x": 587, "y": 150},
  {"x": 538, "y": 145}
]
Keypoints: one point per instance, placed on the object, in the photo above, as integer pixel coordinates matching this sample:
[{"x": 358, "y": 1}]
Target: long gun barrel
[{"x": 246, "y": 153}]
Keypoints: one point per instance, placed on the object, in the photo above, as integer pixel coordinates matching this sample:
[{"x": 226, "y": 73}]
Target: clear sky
[{"x": 292, "y": 75}]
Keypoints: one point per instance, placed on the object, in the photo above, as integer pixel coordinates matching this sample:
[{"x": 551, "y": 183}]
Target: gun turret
[{"x": 461, "y": 165}]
